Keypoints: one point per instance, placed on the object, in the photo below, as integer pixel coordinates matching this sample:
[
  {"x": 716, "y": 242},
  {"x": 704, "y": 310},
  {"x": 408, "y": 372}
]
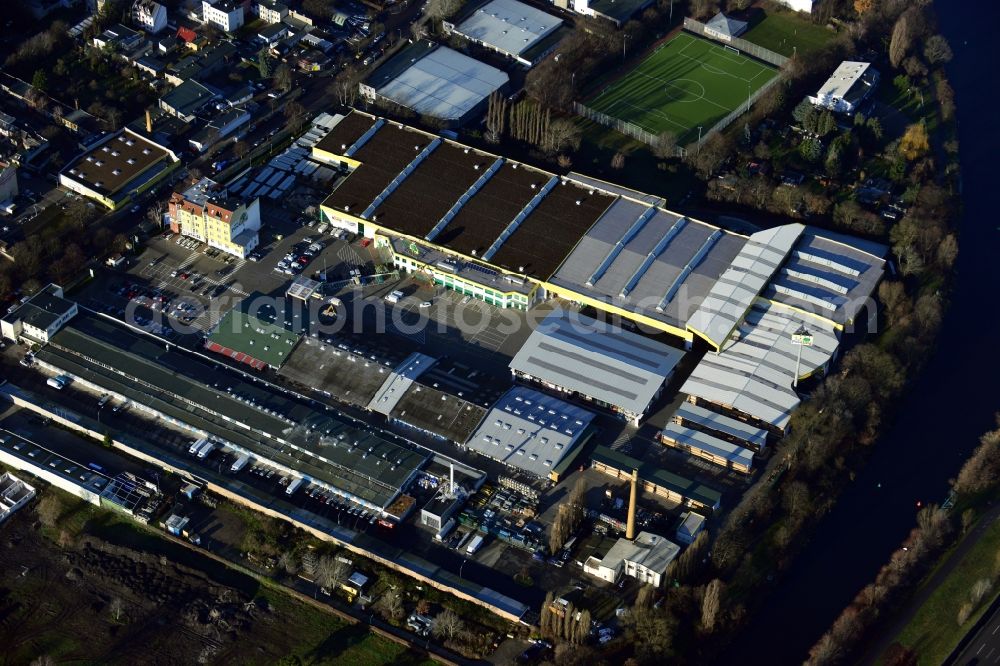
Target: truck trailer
[
  {"x": 474, "y": 545},
  {"x": 294, "y": 485},
  {"x": 240, "y": 463}
]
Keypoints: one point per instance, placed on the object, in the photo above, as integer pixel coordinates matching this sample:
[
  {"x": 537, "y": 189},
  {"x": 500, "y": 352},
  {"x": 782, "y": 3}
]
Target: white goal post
[{"x": 731, "y": 48}]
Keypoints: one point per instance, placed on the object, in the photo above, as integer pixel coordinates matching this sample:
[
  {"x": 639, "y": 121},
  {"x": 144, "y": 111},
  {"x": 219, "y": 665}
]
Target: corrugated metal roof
[
  {"x": 595, "y": 359},
  {"x": 754, "y": 373},
  {"x": 738, "y": 287},
  {"x": 706, "y": 418},
  {"x": 509, "y": 26},
  {"x": 444, "y": 84},
  {"x": 648, "y": 260},
  {"x": 702, "y": 441}
]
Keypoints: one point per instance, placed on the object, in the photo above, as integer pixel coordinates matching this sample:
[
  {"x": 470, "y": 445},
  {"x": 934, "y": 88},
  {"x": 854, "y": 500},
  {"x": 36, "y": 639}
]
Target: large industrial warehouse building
[
  {"x": 245, "y": 417},
  {"x": 513, "y": 235}
]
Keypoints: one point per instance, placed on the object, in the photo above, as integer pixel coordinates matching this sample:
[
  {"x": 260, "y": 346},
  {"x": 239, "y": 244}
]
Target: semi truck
[
  {"x": 240, "y": 463},
  {"x": 196, "y": 444},
  {"x": 294, "y": 485},
  {"x": 474, "y": 545},
  {"x": 205, "y": 450}
]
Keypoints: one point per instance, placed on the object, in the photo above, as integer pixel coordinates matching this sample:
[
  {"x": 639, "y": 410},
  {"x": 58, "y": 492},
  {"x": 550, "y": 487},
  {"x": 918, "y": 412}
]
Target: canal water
[{"x": 950, "y": 405}]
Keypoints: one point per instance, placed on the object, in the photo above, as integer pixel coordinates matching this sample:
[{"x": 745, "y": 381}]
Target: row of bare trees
[
  {"x": 568, "y": 517},
  {"x": 563, "y": 621},
  {"x": 531, "y": 123},
  {"x": 904, "y": 567}
]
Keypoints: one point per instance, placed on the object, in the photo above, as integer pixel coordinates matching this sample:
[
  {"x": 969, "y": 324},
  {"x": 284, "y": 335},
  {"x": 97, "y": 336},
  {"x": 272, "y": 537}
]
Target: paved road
[
  {"x": 984, "y": 648},
  {"x": 906, "y": 613}
]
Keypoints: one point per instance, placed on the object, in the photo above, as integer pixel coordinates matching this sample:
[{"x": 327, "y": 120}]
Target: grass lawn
[
  {"x": 319, "y": 637},
  {"x": 642, "y": 170},
  {"x": 788, "y": 32},
  {"x": 934, "y": 632},
  {"x": 686, "y": 83}
]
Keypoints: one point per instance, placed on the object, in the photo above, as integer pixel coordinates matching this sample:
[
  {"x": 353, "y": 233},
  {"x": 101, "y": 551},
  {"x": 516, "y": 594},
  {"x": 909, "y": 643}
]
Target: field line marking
[{"x": 656, "y": 112}]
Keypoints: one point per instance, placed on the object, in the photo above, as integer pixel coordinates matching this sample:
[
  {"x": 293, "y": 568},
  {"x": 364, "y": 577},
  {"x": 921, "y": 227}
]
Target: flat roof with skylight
[
  {"x": 111, "y": 165},
  {"x": 649, "y": 261},
  {"x": 531, "y": 431}
]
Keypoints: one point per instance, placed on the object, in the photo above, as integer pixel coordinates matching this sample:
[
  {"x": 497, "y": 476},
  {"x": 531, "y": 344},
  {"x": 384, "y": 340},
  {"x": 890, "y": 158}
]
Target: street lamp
[
  {"x": 464, "y": 561},
  {"x": 802, "y": 338}
]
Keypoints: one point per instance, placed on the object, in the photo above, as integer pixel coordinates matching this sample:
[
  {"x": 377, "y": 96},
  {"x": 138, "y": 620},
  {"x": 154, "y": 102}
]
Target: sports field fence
[
  {"x": 623, "y": 126},
  {"x": 650, "y": 139},
  {"x": 751, "y": 49}
]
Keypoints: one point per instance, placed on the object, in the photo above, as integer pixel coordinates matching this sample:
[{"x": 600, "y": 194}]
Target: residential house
[
  {"x": 149, "y": 15},
  {"x": 270, "y": 11},
  {"x": 227, "y": 15}
]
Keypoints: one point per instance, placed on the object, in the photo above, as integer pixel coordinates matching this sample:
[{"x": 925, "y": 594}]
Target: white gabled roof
[
  {"x": 598, "y": 360},
  {"x": 738, "y": 287},
  {"x": 754, "y": 373}
]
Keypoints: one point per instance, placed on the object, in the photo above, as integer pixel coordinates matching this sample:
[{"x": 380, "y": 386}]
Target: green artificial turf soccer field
[{"x": 686, "y": 83}]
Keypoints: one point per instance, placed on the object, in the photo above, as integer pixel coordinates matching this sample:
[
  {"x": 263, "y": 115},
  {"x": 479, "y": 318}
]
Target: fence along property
[
  {"x": 751, "y": 49},
  {"x": 696, "y": 28}
]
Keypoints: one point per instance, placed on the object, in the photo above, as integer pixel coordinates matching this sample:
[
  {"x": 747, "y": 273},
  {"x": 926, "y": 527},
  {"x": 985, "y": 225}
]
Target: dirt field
[{"x": 96, "y": 588}]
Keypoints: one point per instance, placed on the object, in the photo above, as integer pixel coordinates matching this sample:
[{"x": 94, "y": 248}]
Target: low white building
[
  {"x": 40, "y": 317},
  {"x": 645, "y": 559},
  {"x": 14, "y": 493},
  {"x": 149, "y": 15},
  {"x": 691, "y": 524},
  {"x": 227, "y": 15},
  {"x": 850, "y": 85}
]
